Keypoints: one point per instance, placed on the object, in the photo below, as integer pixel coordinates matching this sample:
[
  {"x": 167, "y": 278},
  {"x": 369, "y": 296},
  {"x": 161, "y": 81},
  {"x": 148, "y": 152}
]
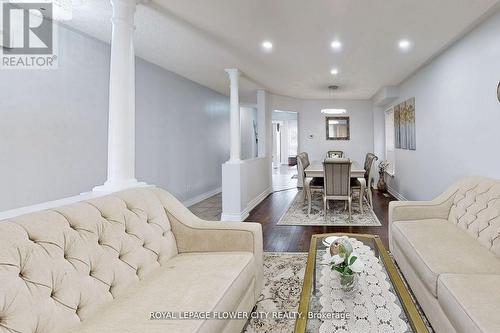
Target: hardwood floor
[{"x": 297, "y": 238}]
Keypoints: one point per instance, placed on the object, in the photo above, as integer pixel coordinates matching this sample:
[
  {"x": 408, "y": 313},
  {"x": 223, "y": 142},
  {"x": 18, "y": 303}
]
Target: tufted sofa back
[
  {"x": 59, "y": 266},
  {"x": 476, "y": 209}
]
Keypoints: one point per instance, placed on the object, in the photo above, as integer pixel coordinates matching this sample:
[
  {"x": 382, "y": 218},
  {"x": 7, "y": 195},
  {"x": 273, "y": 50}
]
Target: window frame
[{"x": 390, "y": 147}]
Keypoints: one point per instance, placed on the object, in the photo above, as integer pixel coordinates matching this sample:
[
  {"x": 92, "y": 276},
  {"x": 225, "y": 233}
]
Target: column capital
[
  {"x": 123, "y": 11},
  {"x": 233, "y": 72}
]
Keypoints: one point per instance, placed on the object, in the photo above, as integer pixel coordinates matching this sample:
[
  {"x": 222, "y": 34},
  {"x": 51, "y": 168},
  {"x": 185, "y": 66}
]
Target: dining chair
[
  {"x": 315, "y": 184},
  {"x": 302, "y": 164},
  {"x": 300, "y": 170},
  {"x": 356, "y": 184},
  {"x": 335, "y": 154},
  {"x": 337, "y": 182}
]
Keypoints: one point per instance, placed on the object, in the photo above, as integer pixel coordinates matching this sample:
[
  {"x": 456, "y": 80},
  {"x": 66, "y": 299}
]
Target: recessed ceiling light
[
  {"x": 334, "y": 71},
  {"x": 333, "y": 111},
  {"x": 336, "y": 45},
  {"x": 267, "y": 45},
  {"x": 404, "y": 44}
]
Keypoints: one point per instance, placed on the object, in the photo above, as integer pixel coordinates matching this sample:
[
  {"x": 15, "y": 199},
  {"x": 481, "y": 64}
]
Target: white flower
[
  {"x": 357, "y": 266},
  {"x": 337, "y": 260}
]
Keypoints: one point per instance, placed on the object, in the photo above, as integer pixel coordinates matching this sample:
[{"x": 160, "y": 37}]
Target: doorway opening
[{"x": 285, "y": 147}]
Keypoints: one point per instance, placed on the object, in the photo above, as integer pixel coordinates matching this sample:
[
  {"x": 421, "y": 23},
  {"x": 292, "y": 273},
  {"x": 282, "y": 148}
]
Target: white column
[
  {"x": 235, "y": 147},
  {"x": 121, "y": 123}
]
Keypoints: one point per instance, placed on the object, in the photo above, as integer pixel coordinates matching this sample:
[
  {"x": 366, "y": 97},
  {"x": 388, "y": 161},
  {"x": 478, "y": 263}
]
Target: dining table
[{"x": 316, "y": 170}]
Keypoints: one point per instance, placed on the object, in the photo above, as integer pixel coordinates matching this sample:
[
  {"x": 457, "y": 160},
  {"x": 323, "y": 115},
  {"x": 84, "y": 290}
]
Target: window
[{"x": 389, "y": 141}]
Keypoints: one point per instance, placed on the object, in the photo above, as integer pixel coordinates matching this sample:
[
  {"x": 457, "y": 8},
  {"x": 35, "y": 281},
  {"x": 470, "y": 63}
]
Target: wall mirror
[{"x": 337, "y": 128}]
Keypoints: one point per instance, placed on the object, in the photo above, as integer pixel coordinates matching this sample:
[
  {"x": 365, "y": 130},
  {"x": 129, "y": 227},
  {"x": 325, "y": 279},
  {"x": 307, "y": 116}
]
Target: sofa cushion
[
  {"x": 59, "y": 266},
  {"x": 471, "y": 301},
  {"x": 434, "y": 247},
  {"x": 216, "y": 281}
]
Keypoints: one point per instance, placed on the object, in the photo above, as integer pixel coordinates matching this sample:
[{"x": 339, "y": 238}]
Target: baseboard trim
[
  {"x": 201, "y": 197},
  {"x": 257, "y": 200},
  {"x": 233, "y": 217},
  {"x": 396, "y": 194},
  {"x": 239, "y": 217}
]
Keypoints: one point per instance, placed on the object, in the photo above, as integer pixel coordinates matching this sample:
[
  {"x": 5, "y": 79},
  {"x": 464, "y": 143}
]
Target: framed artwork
[
  {"x": 337, "y": 128},
  {"x": 404, "y": 125}
]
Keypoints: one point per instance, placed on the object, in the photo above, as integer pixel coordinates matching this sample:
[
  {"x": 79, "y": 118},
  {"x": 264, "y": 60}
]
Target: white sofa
[
  {"x": 105, "y": 264},
  {"x": 448, "y": 250}
]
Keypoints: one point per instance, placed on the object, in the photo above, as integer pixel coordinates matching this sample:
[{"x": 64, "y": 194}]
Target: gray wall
[
  {"x": 457, "y": 116},
  {"x": 53, "y": 125},
  {"x": 53, "y": 128},
  {"x": 182, "y": 132},
  {"x": 312, "y": 121}
]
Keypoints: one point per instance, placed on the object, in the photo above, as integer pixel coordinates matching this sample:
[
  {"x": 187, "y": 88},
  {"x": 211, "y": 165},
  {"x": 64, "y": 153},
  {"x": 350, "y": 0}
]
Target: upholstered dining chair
[
  {"x": 355, "y": 183},
  {"x": 337, "y": 182},
  {"x": 316, "y": 185},
  {"x": 335, "y": 154},
  {"x": 302, "y": 164}
]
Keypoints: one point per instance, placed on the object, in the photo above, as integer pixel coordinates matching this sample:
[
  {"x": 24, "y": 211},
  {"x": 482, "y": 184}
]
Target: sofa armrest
[
  {"x": 438, "y": 208},
  {"x": 193, "y": 234},
  {"x": 196, "y": 235},
  {"x": 418, "y": 210}
]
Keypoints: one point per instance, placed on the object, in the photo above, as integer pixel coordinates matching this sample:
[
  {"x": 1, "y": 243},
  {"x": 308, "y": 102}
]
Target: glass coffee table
[{"x": 380, "y": 303}]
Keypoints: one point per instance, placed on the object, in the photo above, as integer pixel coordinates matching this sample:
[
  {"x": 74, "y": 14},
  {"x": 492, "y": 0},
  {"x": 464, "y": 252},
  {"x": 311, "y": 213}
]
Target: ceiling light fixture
[
  {"x": 336, "y": 45},
  {"x": 331, "y": 89},
  {"x": 267, "y": 45},
  {"x": 404, "y": 44},
  {"x": 333, "y": 111},
  {"x": 334, "y": 71}
]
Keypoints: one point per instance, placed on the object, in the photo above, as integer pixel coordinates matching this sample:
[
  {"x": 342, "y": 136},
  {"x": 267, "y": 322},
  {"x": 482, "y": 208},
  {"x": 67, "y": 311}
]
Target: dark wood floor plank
[{"x": 279, "y": 238}]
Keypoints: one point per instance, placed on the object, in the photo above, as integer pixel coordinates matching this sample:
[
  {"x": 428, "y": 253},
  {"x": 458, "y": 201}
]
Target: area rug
[
  {"x": 283, "y": 279},
  {"x": 296, "y": 214}
]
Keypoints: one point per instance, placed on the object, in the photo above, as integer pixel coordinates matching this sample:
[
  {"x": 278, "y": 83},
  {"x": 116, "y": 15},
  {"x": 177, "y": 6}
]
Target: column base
[{"x": 115, "y": 186}]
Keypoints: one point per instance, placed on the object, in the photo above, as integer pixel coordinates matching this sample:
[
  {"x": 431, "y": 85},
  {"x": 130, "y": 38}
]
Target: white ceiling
[{"x": 199, "y": 38}]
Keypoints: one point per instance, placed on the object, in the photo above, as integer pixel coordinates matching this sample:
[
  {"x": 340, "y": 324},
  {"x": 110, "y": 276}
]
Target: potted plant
[
  {"x": 382, "y": 168},
  {"x": 345, "y": 262}
]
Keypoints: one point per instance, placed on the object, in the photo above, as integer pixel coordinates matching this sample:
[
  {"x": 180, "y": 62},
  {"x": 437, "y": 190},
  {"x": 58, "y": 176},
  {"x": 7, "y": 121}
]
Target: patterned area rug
[
  {"x": 336, "y": 216},
  {"x": 283, "y": 278}
]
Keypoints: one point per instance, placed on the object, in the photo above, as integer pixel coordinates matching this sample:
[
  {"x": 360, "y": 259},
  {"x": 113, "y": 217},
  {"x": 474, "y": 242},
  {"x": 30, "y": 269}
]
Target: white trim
[
  {"x": 49, "y": 204},
  {"x": 390, "y": 152},
  {"x": 396, "y": 194},
  {"x": 111, "y": 187},
  {"x": 257, "y": 200},
  {"x": 59, "y": 202},
  {"x": 201, "y": 197},
  {"x": 235, "y": 217}
]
